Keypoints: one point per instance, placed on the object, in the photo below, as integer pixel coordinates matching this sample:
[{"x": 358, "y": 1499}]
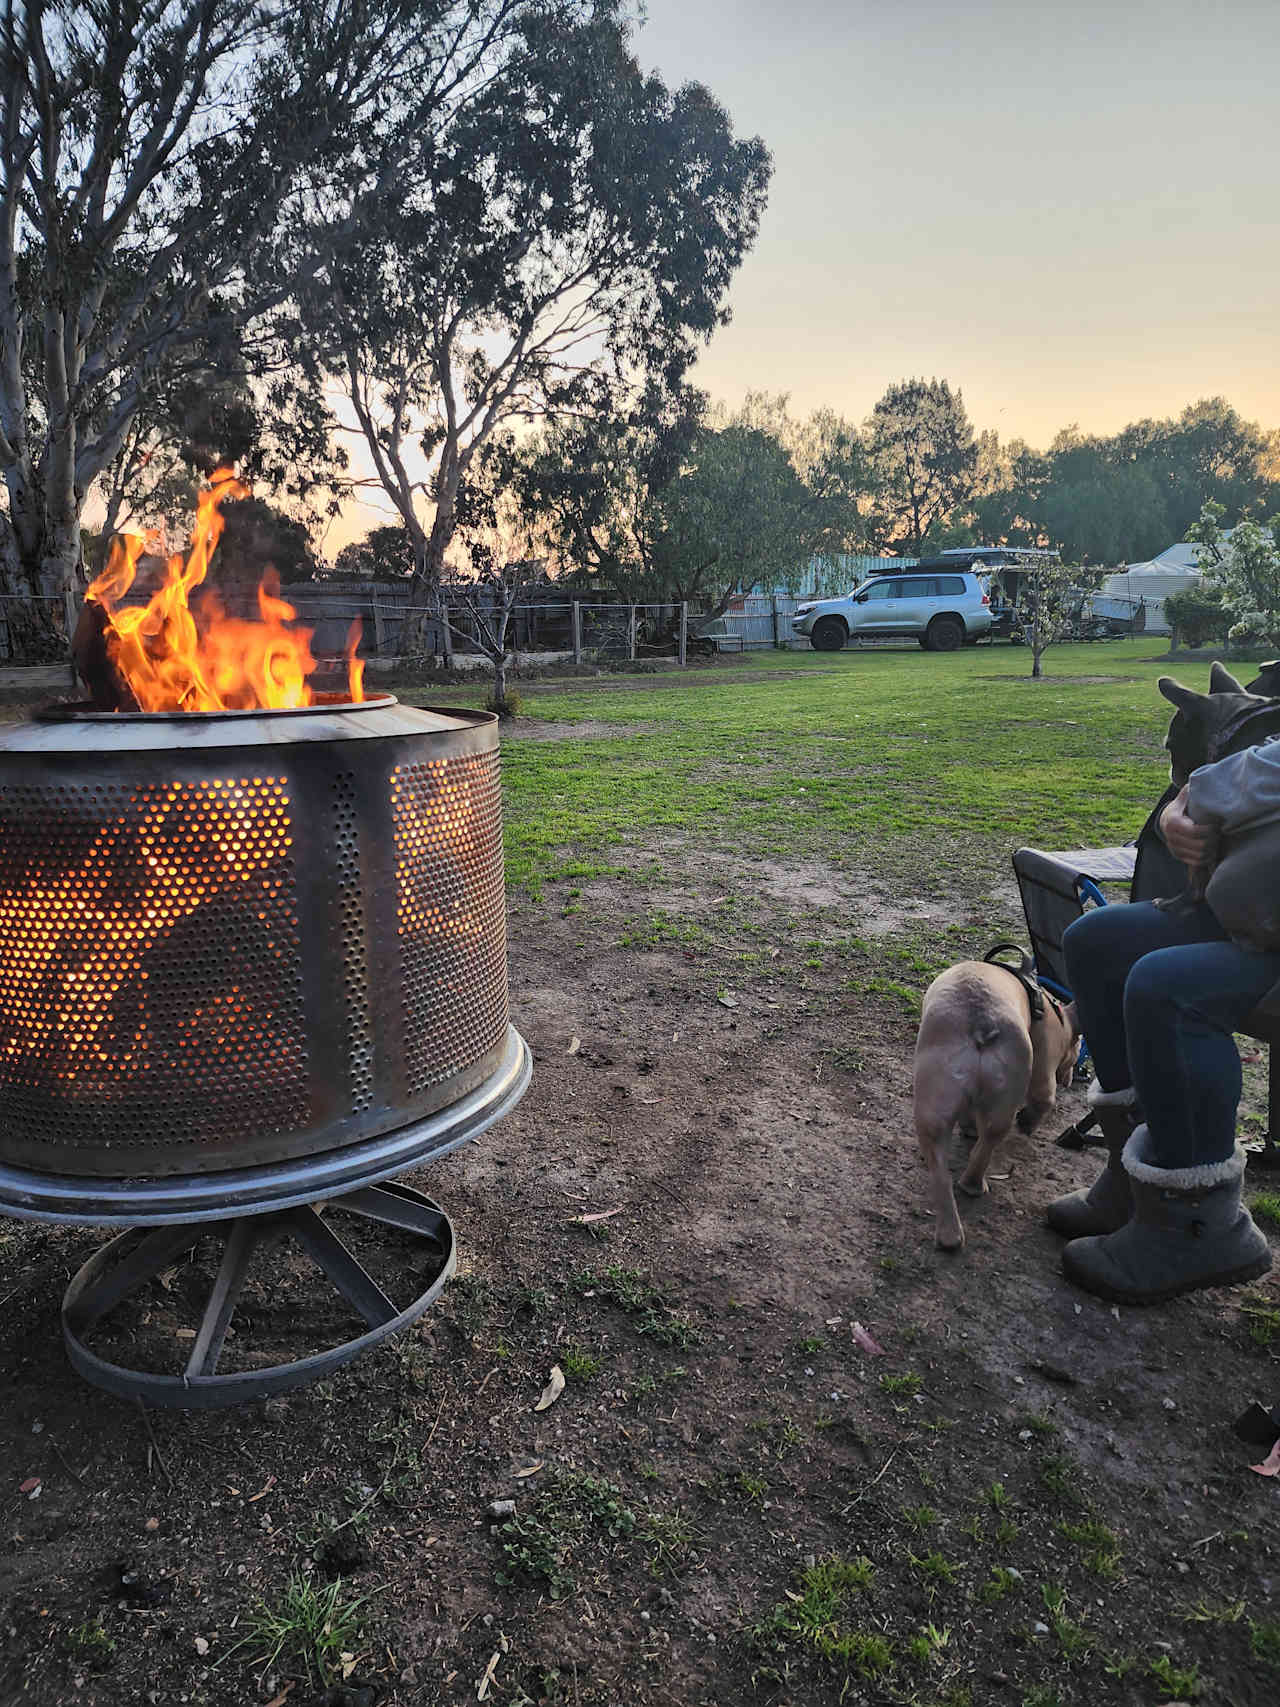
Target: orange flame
[{"x": 175, "y": 658}]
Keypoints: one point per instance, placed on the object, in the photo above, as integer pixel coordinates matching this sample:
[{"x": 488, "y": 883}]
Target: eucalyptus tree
[
  {"x": 172, "y": 174},
  {"x": 922, "y": 452},
  {"x": 573, "y": 235}
]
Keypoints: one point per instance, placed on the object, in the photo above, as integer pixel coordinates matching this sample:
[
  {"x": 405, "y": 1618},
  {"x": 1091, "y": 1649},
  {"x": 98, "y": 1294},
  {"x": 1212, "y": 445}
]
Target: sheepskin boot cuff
[
  {"x": 1189, "y": 1229},
  {"x": 1139, "y": 1165},
  {"x": 1098, "y": 1098}
]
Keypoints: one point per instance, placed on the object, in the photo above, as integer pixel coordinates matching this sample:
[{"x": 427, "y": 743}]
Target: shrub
[{"x": 1197, "y": 616}]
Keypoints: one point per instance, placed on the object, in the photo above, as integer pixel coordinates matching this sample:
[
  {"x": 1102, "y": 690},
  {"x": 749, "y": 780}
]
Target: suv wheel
[
  {"x": 829, "y": 634},
  {"x": 945, "y": 634}
]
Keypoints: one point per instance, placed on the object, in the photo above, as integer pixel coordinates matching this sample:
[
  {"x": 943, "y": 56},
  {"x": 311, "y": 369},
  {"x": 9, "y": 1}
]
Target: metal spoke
[
  {"x": 236, "y": 1256},
  {"x": 156, "y": 1251},
  {"x": 358, "y": 1287},
  {"x": 386, "y": 1203}
]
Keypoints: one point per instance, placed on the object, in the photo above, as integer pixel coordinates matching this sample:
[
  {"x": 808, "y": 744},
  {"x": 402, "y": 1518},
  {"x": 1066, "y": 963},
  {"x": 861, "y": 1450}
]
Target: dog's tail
[{"x": 985, "y": 1032}]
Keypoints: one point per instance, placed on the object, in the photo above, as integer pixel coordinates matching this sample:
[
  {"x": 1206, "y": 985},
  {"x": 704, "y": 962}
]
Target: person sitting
[{"x": 1160, "y": 992}]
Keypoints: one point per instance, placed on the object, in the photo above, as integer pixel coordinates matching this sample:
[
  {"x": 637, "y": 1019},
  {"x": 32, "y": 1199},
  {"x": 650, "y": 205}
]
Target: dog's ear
[
  {"x": 1072, "y": 1018},
  {"x": 1222, "y": 681},
  {"x": 1186, "y": 699}
]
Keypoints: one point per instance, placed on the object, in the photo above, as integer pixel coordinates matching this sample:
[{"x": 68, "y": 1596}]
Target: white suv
[{"x": 940, "y": 609}]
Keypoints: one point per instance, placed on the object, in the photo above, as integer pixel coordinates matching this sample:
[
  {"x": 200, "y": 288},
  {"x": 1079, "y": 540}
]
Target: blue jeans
[{"x": 1159, "y": 995}]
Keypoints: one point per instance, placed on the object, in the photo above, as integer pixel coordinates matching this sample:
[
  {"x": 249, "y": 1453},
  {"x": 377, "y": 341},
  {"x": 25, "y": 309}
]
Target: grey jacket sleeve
[{"x": 1240, "y": 791}]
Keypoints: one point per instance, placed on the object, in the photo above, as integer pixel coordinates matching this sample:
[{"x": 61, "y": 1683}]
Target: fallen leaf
[
  {"x": 29, "y": 1486},
  {"x": 575, "y": 1043},
  {"x": 529, "y": 1469},
  {"x": 202, "y": 1646},
  {"x": 279, "y": 1700},
  {"x": 863, "y": 1339},
  {"x": 598, "y": 1215},
  {"x": 1270, "y": 1465},
  {"x": 348, "y": 1664},
  {"x": 553, "y": 1389},
  {"x": 184, "y": 1333},
  {"x": 262, "y": 1491}
]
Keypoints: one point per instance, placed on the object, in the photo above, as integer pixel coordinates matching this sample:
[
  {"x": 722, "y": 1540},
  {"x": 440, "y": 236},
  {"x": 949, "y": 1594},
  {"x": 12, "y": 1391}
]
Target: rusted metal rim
[
  {"x": 124, "y": 1266},
  {"x": 84, "y": 711},
  {"x": 231, "y": 1193}
]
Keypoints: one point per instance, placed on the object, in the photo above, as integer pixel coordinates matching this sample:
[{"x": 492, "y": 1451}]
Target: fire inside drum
[{"x": 237, "y": 938}]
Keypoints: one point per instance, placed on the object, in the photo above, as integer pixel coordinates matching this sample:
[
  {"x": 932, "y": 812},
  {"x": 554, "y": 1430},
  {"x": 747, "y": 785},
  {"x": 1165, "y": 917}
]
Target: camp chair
[{"x": 1057, "y": 887}]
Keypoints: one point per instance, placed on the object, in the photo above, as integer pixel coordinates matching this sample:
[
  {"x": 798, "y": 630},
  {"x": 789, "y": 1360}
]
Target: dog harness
[{"x": 1025, "y": 973}]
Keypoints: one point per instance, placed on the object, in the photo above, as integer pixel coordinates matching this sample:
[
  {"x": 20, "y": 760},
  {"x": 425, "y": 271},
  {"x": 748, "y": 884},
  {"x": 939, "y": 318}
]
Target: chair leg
[{"x": 1271, "y": 1149}]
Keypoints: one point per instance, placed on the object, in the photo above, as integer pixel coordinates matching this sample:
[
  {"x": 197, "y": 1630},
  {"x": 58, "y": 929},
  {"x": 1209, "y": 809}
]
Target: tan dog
[{"x": 982, "y": 1062}]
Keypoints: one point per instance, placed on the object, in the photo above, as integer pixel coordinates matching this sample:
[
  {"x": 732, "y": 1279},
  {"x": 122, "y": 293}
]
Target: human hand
[{"x": 1194, "y": 844}]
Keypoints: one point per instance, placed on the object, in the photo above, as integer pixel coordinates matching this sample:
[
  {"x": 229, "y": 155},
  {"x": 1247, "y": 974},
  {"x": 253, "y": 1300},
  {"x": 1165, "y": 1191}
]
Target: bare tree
[
  {"x": 171, "y": 171},
  {"x": 580, "y": 224}
]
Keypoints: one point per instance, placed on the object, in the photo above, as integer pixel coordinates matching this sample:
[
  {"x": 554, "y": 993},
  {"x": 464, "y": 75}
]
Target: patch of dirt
[{"x": 745, "y": 1115}]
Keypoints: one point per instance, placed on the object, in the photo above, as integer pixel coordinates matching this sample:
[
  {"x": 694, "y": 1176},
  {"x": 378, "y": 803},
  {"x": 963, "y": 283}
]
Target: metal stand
[{"x": 122, "y": 1268}]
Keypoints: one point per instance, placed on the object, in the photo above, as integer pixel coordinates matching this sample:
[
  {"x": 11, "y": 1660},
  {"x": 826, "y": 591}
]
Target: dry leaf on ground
[
  {"x": 553, "y": 1389},
  {"x": 1270, "y": 1465},
  {"x": 863, "y": 1338}
]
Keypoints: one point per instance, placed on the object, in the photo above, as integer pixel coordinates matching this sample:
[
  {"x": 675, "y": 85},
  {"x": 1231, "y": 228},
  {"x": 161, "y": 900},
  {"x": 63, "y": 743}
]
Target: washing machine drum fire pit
[{"x": 248, "y": 961}]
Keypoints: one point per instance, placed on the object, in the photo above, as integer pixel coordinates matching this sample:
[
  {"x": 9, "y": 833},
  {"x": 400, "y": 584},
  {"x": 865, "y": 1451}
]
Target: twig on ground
[
  {"x": 66, "y": 1465},
  {"x": 871, "y": 1484},
  {"x": 155, "y": 1444}
]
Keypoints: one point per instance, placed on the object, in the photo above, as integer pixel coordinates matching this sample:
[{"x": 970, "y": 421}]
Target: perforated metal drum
[{"x": 234, "y": 939}]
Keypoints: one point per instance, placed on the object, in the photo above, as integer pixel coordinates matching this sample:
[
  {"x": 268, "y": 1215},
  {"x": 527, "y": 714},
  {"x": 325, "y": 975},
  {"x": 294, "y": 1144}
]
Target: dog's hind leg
[
  {"x": 991, "y": 1134},
  {"x": 932, "y": 1135}
]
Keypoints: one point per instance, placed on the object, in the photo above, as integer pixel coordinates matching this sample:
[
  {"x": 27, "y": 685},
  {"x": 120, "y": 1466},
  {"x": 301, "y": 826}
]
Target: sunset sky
[{"x": 1068, "y": 211}]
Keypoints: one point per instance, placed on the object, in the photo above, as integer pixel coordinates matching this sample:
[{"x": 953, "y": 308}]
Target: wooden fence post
[
  {"x": 684, "y": 633},
  {"x": 447, "y": 633},
  {"x": 577, "y": 632},
  {"x": 777, "y": 632},
  {"x": 631, "y": 634},
  {"x": 379, "y": 633}
]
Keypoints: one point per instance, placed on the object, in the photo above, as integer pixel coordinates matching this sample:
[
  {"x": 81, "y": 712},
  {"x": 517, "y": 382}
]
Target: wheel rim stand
[{"x": 122, "y": 1268}]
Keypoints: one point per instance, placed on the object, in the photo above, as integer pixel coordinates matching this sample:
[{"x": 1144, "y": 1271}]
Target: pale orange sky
[{"x": 1066, "y": 211}]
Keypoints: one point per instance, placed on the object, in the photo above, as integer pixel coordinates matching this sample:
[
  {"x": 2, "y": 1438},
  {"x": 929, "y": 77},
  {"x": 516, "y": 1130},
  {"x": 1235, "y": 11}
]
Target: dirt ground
[{"x": 1045, "y": 1488}]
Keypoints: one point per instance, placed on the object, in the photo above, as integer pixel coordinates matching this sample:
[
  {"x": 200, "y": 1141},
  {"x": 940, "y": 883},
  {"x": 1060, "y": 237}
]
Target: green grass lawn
[{"x": 891, "y": 760}]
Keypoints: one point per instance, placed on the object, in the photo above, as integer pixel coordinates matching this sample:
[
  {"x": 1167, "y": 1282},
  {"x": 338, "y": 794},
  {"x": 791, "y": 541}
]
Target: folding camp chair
[{"x": 1058, "y": 887}]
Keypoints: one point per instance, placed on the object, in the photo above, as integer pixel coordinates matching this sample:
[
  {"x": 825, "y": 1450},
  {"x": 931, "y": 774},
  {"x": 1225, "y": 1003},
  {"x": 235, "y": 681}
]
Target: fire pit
[{"x": 249, "y": 961}]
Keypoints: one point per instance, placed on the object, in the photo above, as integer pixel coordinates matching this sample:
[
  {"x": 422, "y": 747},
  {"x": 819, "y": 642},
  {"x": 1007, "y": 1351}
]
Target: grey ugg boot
[
  {"x": 1108, "y": 1203},
  {"x": 1189, "y": 1230}
]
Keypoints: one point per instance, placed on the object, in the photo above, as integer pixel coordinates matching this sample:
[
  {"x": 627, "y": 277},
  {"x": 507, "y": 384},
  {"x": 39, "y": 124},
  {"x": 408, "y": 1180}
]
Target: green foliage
[
  {"x": 1244, "y": 569},
  {"x": 91, "y": 1644},
  {"x": 1000, "y": 1583},
  {"x": 1196, "y": 615},
  {"x": 1182, "y": 1683},
  {"x": 923, "y": 457},
  {"x": 1102, "y": 1550},
  {"x": 1264, "y": 1642},
  {"x": 900, "y": 1385},
  {"x": 936, "y": 1570},
  {"x": 548, "y": 1542},
  {"x": 633, "y": 1292},
  {"x": 814, "y": 1617},
  {"x": 1265, "y": 1206},
  {"x": 1262, "y": 1318},
  {"x": 305, "y": 1630},
  {"x": 579, "y": 1365}
]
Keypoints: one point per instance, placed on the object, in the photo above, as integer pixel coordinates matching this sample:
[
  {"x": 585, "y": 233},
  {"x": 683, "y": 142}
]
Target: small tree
[{"x": 1052, "y": 603}]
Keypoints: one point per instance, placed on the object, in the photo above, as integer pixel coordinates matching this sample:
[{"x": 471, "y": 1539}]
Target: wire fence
[{"x": 393, "y": 625}]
